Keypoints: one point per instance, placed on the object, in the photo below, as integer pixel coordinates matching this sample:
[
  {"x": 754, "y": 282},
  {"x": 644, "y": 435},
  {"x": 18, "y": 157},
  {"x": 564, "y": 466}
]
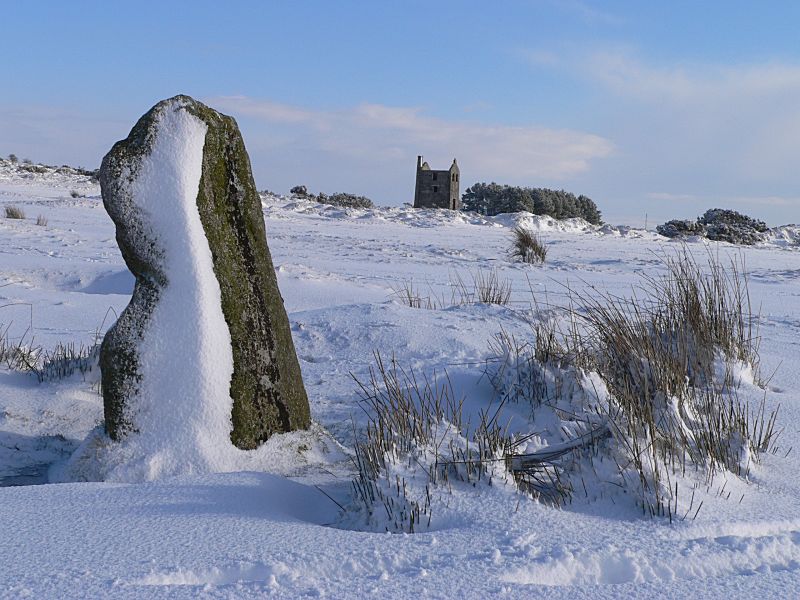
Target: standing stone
[{"x": 170, "y": 354}]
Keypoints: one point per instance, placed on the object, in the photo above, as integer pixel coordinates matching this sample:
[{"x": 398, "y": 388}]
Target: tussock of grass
[
  {"x": 485, "y": 287},
  {"x": 65, "y": 360},
  {"x": 415, "y": 442},
  {"x": 654, "y": 374},
  {"x": 62, "y": 361},
  {"x": 18, "y": 356},
  {"x": 658, "y": 355},
  {"x": 638, "y": 394},
  {"x": 527, "y": 246},
  {"x": 14, "y": 212},
  {"x": 409, "y": 294}
]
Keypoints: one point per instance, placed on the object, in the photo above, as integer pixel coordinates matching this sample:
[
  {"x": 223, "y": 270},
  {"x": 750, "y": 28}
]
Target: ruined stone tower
[{"x": 437, "y": 189}]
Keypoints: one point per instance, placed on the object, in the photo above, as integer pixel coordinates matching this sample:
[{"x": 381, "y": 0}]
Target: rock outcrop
[{"x": 204, "y": 348}]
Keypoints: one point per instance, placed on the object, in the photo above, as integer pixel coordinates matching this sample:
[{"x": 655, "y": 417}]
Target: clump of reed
[
  {"x": 484, "y": 287},
  {"x": 14, "y": 212},
  {"x": 527, "y": 246},
  {"x": 666, "y": 360},
  {"x": 60, "y": 362},
  {"x": 634, "y": 393},
  {"x": 415, "y": 442}
]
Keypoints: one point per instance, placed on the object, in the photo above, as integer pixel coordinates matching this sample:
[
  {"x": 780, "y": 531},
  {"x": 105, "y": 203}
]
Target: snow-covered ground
[{"x": 273, "y": 527}]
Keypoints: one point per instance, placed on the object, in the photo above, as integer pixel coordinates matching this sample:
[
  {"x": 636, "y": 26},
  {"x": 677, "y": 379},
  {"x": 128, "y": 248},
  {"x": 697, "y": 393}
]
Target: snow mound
[
  {"x": 281, "y": 207},
  {"x": 543, "y": 223},
  {"x": 575, "y": 225},
  {"x": 785, "y": 236},
  {"x": 63, "y": 178}
]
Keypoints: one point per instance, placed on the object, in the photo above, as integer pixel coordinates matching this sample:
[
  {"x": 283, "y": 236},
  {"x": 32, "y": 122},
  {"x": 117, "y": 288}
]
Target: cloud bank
[
  {"x": 374, "y": 142},
  {"x": 705, "y": 134}
]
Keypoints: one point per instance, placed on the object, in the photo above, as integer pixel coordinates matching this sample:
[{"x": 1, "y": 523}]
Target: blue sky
[{"x": 663, "y": 109}]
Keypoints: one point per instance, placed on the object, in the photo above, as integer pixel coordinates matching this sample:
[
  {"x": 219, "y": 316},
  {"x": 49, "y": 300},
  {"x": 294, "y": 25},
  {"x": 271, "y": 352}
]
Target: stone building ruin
[{"x": 437, "y": 189}]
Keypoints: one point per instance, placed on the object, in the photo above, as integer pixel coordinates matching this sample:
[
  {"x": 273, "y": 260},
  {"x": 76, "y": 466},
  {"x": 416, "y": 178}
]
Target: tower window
[
  {"x": 435, "y": 189},
  {"x": 435, "y": 175}
]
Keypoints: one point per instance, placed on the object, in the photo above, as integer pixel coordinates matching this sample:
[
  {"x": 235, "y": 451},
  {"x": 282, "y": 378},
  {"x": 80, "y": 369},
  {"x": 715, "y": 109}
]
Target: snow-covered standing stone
[{"x": 204, "y": 348}]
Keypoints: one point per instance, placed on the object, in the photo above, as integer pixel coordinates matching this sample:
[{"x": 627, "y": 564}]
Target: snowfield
[{"x": 272, "y": 525}]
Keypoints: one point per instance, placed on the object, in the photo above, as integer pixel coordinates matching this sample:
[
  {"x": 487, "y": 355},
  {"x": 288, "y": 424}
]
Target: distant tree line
[{"x": 494, "y": 198}]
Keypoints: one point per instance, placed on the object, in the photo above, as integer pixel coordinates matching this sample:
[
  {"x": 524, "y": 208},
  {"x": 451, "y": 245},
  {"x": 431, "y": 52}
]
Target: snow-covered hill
[{"x": 272, "y": 526}]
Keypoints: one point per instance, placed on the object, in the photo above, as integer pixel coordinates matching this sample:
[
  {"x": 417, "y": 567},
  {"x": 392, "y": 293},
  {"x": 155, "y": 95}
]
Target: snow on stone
[{"x": 182, "y": 416}]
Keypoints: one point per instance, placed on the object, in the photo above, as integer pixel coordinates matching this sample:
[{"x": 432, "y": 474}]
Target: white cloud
[
  {"x": 712, "y": 201},
  {"x": 737, "y": 123},
  {"x": 375, "y": 133},
  {"x": 690, "y": 83},
  {"x": 703, "y": 133},
  {"x": 588, "y": 13},
  {"x": 57, "y": 135},
  {"x": 264, "y": 109}
]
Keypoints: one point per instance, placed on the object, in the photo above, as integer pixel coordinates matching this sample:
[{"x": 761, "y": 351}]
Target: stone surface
[{"x": 266, "y": 386}]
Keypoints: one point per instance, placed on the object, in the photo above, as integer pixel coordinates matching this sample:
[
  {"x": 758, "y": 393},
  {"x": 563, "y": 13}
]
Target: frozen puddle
[{"x": 694, "y": 559}]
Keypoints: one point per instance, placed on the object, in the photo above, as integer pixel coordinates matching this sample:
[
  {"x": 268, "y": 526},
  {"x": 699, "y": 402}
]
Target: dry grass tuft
[
  {"x": 527, "y": 246},
  {"x": 14, "y": 212},
  {"x": 486, "y": 287},
  {"x": 409, "y": 294},
  {"x": 416, "y": 439},
  {"x": 628, "y": 393},
  {"x": 62, "y": 361},
  {"x": 667, "y": 360}
]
